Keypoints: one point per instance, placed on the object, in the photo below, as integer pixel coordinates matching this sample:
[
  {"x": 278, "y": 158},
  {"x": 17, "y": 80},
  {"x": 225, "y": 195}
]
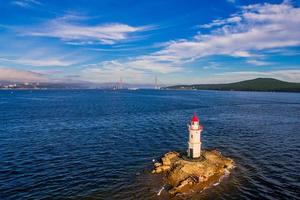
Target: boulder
[
  {"x": 157, "y": 164},
  {"x": 169, "y": 158},
  {"x": 191, "y": 180}
]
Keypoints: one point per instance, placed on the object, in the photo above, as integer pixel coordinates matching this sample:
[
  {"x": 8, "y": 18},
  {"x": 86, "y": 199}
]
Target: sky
[{"x": 177, "y": 41}]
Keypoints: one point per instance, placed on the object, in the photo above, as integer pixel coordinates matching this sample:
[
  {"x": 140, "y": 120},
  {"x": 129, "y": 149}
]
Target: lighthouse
[{"x": 195, "y": 129}]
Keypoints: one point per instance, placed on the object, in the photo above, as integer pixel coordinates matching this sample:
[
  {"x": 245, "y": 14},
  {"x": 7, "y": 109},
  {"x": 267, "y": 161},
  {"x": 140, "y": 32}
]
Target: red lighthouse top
[{"x": 195, "y": 118}]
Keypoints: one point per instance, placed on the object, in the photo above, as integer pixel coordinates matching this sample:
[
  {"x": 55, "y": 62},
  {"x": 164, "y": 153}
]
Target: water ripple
[{"x": 94, "y": 144}]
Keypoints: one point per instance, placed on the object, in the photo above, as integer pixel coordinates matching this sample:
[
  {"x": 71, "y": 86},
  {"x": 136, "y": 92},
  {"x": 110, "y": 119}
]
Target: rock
[
  {"x": 161, "y": 168},
  {"x": 169, "y": 158},
  {"x": 191, "y": 180},
  {"x": 158, "y": 170},
  {"x": 166, "y": 163},
  {"x": 184, "y": 174},
  {"x": 157, "y": 164}
]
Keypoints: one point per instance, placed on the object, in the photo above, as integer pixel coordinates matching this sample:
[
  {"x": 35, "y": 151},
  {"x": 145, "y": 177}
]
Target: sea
[{"x": 101, "y": 144}]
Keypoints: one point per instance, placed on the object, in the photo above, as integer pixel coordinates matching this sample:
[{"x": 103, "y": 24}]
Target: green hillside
[{"x": 258, "y": 84}]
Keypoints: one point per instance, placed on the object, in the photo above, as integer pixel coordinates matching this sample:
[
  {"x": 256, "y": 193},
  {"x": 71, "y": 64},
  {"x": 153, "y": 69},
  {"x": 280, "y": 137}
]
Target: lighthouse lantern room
[{"x": 195, "y": 129}]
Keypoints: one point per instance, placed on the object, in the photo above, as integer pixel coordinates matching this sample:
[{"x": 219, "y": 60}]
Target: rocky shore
[{"x": 184, "y": 175}]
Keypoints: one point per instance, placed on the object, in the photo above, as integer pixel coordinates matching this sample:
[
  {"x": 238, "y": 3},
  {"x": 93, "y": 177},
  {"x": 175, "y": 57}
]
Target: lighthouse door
[{"x": 191, "y": 153}]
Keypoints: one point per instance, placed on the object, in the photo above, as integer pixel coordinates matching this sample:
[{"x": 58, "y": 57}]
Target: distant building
[
  {"x": 12, "y": 85},
  {"x": 195, "y": 129}
]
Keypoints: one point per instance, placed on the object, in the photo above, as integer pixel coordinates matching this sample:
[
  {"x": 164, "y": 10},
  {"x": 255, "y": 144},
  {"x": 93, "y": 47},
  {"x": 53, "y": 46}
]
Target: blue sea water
[{"x": 97, "y": 144}]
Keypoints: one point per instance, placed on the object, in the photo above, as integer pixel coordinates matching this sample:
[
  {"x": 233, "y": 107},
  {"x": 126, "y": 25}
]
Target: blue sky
[{"x": 177, "y": 41}]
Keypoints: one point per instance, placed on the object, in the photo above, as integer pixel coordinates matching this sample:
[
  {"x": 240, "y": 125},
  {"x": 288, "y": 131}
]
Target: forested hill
[{"x": 258, "y": 84}]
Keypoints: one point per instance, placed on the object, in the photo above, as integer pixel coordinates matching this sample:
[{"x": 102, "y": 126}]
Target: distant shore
[
  {"x": 255, "y": 85},
  {"x": 258, "y": 85}
]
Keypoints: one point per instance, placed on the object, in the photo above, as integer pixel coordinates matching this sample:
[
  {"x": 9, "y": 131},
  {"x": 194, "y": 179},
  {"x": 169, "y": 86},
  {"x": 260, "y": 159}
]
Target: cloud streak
[
  {"x": 50, "y": 62},
  {"x": 258, "y": 62},
  {"x": 26, "y": 3},
  {"x": 7, "y": 74},
  {"x": 219, "y": 22},
  {"x": 136, "y": 70},
  {"x": 70, "y": 30}
]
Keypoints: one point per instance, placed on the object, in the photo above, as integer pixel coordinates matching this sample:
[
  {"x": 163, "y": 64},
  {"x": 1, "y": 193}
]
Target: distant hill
[{"x": 258, "y": 84}]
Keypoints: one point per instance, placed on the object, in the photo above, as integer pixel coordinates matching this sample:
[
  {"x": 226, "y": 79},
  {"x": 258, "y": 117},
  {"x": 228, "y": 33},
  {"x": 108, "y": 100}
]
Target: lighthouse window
[{"x": 191, "y": 136}]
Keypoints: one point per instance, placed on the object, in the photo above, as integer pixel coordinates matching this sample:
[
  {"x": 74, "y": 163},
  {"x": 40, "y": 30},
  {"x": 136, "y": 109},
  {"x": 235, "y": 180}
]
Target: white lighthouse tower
[{"x": 195, "y": 129}]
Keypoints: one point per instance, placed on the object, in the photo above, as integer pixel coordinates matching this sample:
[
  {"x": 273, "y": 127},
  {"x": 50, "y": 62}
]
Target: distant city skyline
[{"x": 179, "y": 42}]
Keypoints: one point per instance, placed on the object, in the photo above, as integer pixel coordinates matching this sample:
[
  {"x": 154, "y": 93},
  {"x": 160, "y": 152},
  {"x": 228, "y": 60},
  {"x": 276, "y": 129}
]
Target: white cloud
[
  {"x": 212, "y": 65},
  {"x": 257, "y": 27},
  {"x": 111, "y": 71},
  {"x": 45, "y": 63},
  {"x": 153, "y": 64},
  {"x": 40, "y": 62},
  {"x": 241, "y": 54},
  {"x": 33, "y": 55},
  {"x": 20, "y": 75},
  {"x": 69, "y": 29},
  {"x": 258, "y": 62},
  {"x": 26, "y": 3},
  {"x": 231, "y": 1},
  {"x": 219, "y": 22},
  {"x": 138, "y": 70}
]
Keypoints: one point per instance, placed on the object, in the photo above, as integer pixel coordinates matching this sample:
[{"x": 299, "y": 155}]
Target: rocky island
[
  {"x": 184, "y": 175},
  {"x": 196, "y": 170}
]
